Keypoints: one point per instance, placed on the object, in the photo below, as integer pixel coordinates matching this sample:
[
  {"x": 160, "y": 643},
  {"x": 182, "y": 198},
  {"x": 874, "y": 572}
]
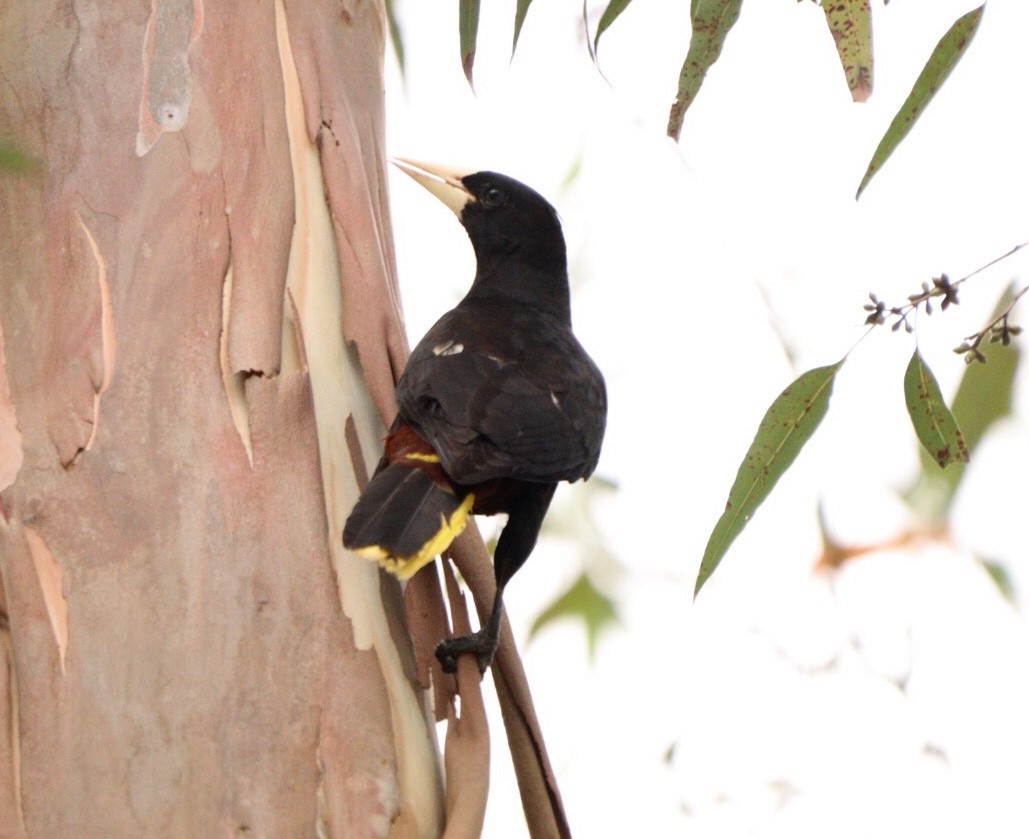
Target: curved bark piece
[
  {"x": 467, "y": 746},
  {"x": 340, "y": 119},
  {"x": 537, "y": 783}
]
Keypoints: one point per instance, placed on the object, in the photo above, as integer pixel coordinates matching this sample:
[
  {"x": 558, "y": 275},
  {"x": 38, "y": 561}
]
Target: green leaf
[
  {"x": 611, "y": 12},
  {"x": 786, "y": 427},
  {"x": 1001, "y": 578},
  {"x": 14, "y": 159},
  {"x": 396, "y": 38},
  {"x": 711, "y": 20},
  {"x": 850, "y": 22},
  {"x": 983, "y": 397},
  {"x": 468, "y": 30},
  {"x": 521, "y": 10},
  {"x": 943, "y": 59},
  {"x": 934, "y": 424},
  {"x": 574, "y": 172},
  {"x": 585, "y": 602}
]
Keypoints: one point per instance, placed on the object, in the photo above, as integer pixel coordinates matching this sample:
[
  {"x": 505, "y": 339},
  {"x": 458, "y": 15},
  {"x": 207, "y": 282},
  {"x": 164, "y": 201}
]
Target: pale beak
[{"x": 442, "y": 181}]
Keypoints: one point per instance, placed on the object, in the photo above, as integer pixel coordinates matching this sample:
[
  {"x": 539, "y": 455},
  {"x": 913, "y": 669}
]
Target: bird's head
[{"x": 515, "y": 232}]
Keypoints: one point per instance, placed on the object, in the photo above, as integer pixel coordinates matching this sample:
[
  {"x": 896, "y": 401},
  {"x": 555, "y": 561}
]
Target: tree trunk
[{"x": 188, "y": 652}]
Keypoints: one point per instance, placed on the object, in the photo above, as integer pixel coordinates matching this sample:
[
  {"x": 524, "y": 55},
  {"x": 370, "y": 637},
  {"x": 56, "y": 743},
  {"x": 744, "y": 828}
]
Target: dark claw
[{"x": 481, "y": 643}]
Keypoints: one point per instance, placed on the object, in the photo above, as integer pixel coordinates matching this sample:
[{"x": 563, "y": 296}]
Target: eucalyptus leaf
[
  {"x": 711, "y": 21},
  {"x": 787, "y": 426},
  {"x": 850, "y": 23},
  {"x": 933, "y": 421},
  {"x": 611, "y": 13},
  {"x": 468, "y": 31},
  {"x": 521, "y": 10},
  {"x": 943, "y": 59}
]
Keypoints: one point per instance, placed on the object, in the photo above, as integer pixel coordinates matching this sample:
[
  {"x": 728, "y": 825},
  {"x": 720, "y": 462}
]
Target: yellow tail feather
[{"x": 405, "y": 567}]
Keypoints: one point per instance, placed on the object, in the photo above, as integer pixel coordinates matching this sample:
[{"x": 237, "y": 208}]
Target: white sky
[{"x": 691, "y": 265}]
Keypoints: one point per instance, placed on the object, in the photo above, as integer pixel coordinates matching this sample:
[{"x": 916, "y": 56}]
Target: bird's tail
[{"x": 404, "y": 519}]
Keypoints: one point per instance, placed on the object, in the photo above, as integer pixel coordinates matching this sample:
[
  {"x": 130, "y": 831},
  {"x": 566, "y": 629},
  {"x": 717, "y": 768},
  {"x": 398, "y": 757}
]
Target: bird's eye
[{"x": 493, "y": 196}]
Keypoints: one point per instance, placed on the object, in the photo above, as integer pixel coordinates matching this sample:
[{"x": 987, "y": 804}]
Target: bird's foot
[{"x": 483, "y": 643}]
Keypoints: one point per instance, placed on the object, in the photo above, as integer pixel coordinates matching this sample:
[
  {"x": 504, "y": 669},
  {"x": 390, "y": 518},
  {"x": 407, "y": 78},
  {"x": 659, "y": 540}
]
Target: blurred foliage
[
  {"x": 13, "y": 159},
  {"x": 583, "y": 602},
  {"x": 1001, "y": 578},
  {"x": 396, "y": 36},
  {"x": 983, "y": 397},
  {"x": 574, "y": 520}
]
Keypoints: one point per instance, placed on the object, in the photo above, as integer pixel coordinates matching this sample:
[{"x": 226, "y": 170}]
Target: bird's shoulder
[{"x": 490, "y": 344}]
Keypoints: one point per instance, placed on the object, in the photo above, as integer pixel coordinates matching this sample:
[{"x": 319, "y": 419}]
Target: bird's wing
[{"x": 531, "y": 415}]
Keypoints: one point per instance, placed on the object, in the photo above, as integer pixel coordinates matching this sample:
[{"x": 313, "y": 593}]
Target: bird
[{"x": 497, "y": 404}]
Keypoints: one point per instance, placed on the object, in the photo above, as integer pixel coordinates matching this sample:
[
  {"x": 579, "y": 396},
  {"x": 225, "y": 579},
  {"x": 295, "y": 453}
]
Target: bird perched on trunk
[{"x": 497, "y": 404}]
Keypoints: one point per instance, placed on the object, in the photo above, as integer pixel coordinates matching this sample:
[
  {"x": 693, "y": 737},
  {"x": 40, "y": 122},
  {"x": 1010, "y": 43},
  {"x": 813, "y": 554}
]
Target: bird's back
[{"x": 505, "y": 390}]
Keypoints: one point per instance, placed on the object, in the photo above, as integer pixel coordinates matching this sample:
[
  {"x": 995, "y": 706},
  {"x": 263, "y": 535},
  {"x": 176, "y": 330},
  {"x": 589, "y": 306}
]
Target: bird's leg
[{"x": 514, "y": 546}]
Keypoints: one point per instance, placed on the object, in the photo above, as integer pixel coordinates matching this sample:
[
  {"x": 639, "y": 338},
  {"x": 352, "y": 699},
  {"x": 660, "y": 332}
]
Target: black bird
[{"x": 497, "y": 404}]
